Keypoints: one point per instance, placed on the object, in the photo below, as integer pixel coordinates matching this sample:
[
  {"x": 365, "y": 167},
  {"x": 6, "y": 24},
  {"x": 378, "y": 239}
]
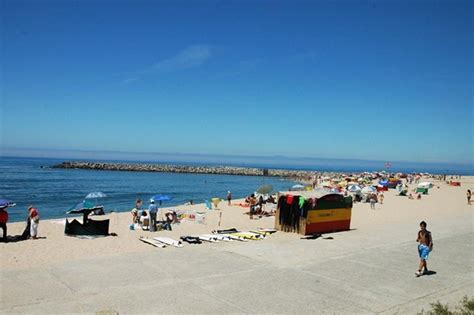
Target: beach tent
[
  {"x": 311, "y": 212},
  {"x": 88, "y": 226},
  {"x": 427, "y": 185},
  {"x": 423, "y": 187}
]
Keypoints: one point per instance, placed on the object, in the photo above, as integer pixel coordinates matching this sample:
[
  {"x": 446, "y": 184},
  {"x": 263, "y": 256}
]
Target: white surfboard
[
  {"x": 235, "y": 237},
  {"x": 168, "y": 241},
  {"x": 152, "y": 242},
  {"x": 208, "y": 238},
  {"x": 222, "y": 237}
]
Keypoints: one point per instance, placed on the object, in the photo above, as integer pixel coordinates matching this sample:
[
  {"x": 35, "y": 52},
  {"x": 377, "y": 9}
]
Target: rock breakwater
[{"x": 219, "y": 170}]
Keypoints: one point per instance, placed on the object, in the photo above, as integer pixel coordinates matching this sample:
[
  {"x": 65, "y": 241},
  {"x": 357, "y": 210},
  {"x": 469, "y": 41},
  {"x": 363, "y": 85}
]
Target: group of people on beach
[
  {"x": 257, "y": 205},
  {"x": 147, "y": 218},
  {"x": 31, "y": 229}
]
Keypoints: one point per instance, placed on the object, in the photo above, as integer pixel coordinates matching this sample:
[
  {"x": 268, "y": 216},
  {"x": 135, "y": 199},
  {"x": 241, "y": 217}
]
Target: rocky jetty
[{"x": 220, "y": 170}]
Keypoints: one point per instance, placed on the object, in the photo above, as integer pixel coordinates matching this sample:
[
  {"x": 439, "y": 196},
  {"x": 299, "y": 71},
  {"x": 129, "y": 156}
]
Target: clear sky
[{"x": 378, "y": 80}]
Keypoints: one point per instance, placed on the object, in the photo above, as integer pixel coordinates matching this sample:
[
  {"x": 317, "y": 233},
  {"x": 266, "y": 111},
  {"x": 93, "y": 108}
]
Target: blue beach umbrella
[
  {"x": 6, "y": 203},
  {"x": 161, "y": 198}
]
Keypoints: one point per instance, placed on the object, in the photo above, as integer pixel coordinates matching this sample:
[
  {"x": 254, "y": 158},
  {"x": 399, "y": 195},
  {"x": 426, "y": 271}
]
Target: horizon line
[{"x": 44, "y": 154}]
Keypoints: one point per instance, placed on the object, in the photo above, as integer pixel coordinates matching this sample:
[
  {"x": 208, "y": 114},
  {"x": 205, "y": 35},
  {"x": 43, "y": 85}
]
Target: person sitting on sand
[
  {"x": 270, "y": 199},
  {"x": 135, "y": 211},
  {"x": 418, "y": 197},
  {"x": 410, "y": 196}
]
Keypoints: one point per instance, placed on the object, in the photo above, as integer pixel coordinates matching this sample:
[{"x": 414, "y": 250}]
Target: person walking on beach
[
  {"x": 381, "y": 198},
  {"x": 229, "y": 197},
  {"x": 3, "y": 222},
  {"x": 34, "y": 221},
  {"x": 152, "y": 210},
  {"x": 425, "y": 246},
  {"x": 372, "y": 201},
  {"x": 468, "y": 196}
]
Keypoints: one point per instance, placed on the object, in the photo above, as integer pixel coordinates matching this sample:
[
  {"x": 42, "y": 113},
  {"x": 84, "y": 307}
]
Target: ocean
[{"x": 30, "y": 181}]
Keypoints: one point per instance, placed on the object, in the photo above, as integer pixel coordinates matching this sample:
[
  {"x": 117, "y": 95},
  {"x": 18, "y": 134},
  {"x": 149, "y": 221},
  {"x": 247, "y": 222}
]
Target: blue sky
[{"x": 389, "y": 80}]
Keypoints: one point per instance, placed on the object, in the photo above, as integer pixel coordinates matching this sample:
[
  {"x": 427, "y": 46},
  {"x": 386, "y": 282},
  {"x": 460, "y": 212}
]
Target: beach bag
[{"x": 200, "y": 217}]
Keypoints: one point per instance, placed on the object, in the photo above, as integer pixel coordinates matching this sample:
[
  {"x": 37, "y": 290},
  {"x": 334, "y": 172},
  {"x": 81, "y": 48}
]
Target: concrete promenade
[{"x": 364, "y": 271}]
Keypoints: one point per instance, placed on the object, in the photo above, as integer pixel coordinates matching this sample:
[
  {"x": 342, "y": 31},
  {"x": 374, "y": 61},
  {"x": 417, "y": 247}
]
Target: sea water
[{"x": 31, "y": 181}]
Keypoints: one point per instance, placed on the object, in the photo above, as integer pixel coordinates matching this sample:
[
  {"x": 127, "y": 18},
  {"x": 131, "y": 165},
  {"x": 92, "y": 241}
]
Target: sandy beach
[{"x": 369, "y": 269}]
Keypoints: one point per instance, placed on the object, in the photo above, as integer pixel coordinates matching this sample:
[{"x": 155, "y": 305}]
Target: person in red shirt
[{"x": 3, "y": 222}]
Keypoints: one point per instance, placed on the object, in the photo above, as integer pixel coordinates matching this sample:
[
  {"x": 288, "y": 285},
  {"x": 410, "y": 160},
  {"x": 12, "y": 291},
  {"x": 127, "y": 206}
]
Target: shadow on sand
[{"x": 19, "y": 238}]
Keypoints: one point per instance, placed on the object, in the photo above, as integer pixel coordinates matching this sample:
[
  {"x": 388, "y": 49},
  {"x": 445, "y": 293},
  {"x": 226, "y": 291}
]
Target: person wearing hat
[
  {"x": 229, "y": 197},
  {"x": 152, "y": 210}
]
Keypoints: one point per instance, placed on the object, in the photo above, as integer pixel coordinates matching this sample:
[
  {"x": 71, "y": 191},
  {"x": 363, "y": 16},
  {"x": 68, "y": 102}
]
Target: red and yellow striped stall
[{"x": 320, "y": 211}]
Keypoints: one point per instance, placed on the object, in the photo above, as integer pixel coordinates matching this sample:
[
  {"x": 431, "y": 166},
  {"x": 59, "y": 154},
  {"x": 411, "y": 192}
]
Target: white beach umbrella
[
  {"x": 368, "y": 190},
  {"x": 354, "y": 188}
]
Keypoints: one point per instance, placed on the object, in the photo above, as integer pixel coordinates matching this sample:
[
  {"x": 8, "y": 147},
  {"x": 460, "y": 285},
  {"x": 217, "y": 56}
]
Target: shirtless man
[{"x": 424, "y": 248}]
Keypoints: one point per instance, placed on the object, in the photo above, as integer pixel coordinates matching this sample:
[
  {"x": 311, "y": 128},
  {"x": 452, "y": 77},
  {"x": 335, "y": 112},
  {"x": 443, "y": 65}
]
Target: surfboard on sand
[
  {"x": 226, "y": 231},
  {"x": 249, "y": 235},
  {"x": 208, "y": 238},
  {"x": 152, "y": 242},
  {"x": 267, "y": 230},
  {"x": 222, "y": 237},
  {"x": 191, "y": 239},
  {"x": 262, "y": 232},
  {"x": 234, "y": 237},
  {"x": 168, "y": 241},
  {"x": 216, "y": 237}
]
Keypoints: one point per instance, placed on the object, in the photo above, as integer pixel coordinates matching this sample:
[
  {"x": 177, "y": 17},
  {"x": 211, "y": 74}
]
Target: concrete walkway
[{"x": 356, "y": 272}]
